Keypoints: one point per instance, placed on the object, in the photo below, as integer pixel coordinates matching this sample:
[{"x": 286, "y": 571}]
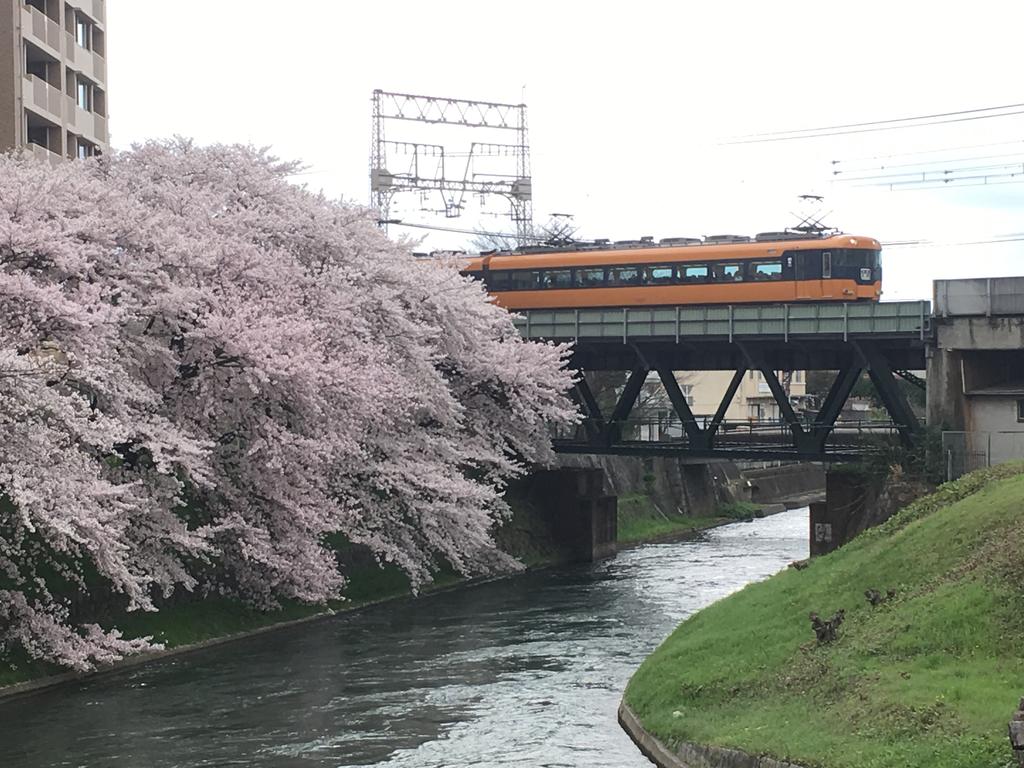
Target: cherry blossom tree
[{"x": 206, "y": 372}]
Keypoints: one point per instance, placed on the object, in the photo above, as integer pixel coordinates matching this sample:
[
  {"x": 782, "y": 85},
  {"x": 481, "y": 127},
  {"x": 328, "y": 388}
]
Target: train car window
[
  {"x": 591, "y": 277},
  {"x": 695, "y": 274},
  {"x": 624, "y": 276},
  {"x": 826, "y": 265},
  {"x": 523, "y": 279},
  {"x": 659, "y": 275},
  {"x": 856, "y": 258},
  {"x": 556, "y": 278},
  {"x": 766, "y": 270},
  {"x": 726, "y": 273},
  {"x": 499, "y": 281}
]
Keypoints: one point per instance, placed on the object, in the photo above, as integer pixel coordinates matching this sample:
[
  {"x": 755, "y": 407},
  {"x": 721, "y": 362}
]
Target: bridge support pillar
[
  {"x": 850, "y": 507},
  {"x": 584, "y": 519}
]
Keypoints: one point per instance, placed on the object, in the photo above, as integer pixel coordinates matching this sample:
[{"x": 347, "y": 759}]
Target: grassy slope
[
  {"x": 640, "y": 520},
  {"x": 928, "y": 679}
]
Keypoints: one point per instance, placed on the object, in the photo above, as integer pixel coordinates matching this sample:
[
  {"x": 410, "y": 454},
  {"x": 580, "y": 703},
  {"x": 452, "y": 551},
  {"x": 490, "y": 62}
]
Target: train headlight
[{"x": 865, "y": 274}]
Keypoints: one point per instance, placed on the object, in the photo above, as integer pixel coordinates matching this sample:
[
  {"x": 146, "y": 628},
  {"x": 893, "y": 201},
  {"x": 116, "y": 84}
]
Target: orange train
[{"x": 725, "y": 269}]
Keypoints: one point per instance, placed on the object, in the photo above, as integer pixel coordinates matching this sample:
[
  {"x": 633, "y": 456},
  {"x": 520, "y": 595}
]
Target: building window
[
  {"x": 1020, "y": 410},
  {"x": 49, "y": 9},
  {"x": 83, "y": 96},
  {"x": 688, "y": 393},
  {"x": 84, "y": 149},
  {"x": 83, "y": 31},
  {"x": 40, "y": 135}
]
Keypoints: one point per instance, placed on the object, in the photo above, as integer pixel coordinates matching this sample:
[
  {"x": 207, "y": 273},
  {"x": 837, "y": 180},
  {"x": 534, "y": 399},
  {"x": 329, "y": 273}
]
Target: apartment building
[
  {"x": 703, "y": 390},
  {"x": 753, "y": 400},
  {"x": 53, "y": 77}
]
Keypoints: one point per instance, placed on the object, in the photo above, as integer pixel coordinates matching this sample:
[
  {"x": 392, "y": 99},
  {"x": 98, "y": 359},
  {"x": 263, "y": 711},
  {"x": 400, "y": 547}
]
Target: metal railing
[
  {"x": 967, "y": 451},
  {"x": 812, "y": 319},
  {"x": 733, "y": 433}
]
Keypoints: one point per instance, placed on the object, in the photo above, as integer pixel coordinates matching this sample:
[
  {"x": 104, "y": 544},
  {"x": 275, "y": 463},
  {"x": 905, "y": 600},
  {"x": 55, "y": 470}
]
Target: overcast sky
[{"x": 631, "y": 106}]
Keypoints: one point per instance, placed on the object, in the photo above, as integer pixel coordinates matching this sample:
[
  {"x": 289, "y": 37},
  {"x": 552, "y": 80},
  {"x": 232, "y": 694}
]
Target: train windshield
[{"x": 855, "y": 257}]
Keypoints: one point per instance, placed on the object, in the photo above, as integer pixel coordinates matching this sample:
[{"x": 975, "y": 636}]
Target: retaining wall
[{"x": 688, "y": 755}]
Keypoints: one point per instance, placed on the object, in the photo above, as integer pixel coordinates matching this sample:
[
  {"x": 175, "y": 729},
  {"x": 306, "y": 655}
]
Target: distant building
[
  {"x": 53, "y": 77},
  {"x": 753, "y": 400},
  {"x": 703, "y": 390},
  {"x": 976, "y": 371}
]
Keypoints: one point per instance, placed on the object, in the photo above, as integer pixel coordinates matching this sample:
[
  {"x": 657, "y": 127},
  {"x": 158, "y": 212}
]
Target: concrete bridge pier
[
  {"x": 583, "y": 518},
  {"x": 851, "y": 506}
]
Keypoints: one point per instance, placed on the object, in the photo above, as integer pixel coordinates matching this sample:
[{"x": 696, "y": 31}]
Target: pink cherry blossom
[{"x": 206, "y": 371}]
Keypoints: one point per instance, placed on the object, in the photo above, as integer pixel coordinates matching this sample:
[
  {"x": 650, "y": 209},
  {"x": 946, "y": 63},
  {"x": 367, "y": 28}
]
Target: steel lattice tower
[{"x": 516, "y": 188}]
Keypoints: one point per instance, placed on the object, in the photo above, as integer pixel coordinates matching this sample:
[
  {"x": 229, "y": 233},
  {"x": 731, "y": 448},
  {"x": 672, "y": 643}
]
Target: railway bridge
[{"x": 886, "y": 340}]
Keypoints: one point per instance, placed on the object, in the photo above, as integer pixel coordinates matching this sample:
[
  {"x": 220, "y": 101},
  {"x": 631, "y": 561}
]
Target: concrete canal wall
[{"x": 688, "y": 755}]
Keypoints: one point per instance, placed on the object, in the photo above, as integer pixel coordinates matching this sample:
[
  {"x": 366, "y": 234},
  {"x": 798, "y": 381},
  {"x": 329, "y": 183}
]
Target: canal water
[{"x": 523, "y": 672}]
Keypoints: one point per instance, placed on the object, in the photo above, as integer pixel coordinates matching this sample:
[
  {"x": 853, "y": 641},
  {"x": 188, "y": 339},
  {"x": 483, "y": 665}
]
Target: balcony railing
[
  {"x": 42, "y": 27},
  {"x": 100, "y": 131},
  {"x": 89, "y": 63},
  {"x": 43, "y": 154},
  {"x": 43, "y": 97}
]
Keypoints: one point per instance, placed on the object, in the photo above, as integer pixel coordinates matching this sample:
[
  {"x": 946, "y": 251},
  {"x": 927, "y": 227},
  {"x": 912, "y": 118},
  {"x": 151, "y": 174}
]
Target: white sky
[{"x": 629, "y": 105}]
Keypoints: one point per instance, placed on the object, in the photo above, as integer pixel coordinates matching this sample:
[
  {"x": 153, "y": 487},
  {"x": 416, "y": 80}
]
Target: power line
[
  {"x": 930, "y": 151},
  {"x": 769, "y": 138},
  {"x": 940, "y": 174},
  {"x": 952, "y": 186},
  {"x": 510, "y": 235},
  {"x": 922, "y": 243},
  {"x": 924, "y": 163},
  {"x": 882, "y": 122}
]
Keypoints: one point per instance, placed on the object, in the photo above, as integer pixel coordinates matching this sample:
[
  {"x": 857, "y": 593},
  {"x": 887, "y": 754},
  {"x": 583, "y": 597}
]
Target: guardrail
[
  {"x": 733, "y": 433},
  {"x": 672, "y": 428},
  {"x": 838, "y": 320}
]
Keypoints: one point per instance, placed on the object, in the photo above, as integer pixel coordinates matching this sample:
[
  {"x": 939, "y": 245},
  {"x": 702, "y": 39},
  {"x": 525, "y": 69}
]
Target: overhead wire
[
  {"x": 924, "y": 163},
  {"x": 872, "y": 128},
  {"x": 880, "y": 122},
  {"x": 930, "y": 151},
  {"x": 933, "y": 185},
  {"x": 941, "y": 174},
  {"x": 922, "y": 243},
  {"x": 938, "y": 118},
  {"x": 509, "y": 235}
]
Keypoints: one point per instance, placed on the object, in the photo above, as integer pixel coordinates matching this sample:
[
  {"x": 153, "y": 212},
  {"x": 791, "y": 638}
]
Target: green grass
[
  {"x": 640, "y": 520},
  {"x": 929, "y": 678}
]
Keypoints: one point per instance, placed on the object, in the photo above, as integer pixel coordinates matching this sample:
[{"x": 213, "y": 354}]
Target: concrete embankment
[{"x": 689, "y": 755}]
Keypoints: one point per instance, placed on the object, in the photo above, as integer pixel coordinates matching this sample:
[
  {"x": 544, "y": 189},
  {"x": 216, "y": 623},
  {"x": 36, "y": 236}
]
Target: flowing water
[{"x": 522, "y": 672}]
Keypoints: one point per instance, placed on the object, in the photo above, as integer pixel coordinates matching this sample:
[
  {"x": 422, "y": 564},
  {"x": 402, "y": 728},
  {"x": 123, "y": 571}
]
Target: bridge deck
[{"x": 841, "y": 320}]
